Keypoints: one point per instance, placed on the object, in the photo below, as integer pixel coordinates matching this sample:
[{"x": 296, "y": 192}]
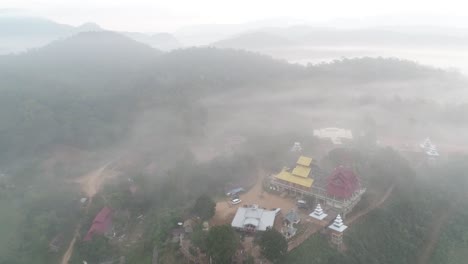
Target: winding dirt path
[
  {"x": 371, "y": 207},
  {"x": 436, "y": 227},
  {"x": 90, "y": 185}
]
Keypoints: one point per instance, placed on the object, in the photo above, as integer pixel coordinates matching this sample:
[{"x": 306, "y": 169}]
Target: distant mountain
[
  {"x": 86, "y": 27},
  {"x": 314, "y": 36},
  {"x": 102, "y": 44},
  {"x": 88, "y": 58},
  {"x": 31, "y": 26},
  {"x": 204, "y": 34},
  {"x": 18, "y": 34},
  {"x": 161, "y": 41},
  {"x": 255, "y": 40}
]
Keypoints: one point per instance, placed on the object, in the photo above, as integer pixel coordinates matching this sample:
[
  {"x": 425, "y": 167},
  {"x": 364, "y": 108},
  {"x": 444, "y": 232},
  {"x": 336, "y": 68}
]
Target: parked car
[
  {"x": 235, "y": 201},
  {"x": 235, "y": 191},
  {"x": 301, "y": 204}
]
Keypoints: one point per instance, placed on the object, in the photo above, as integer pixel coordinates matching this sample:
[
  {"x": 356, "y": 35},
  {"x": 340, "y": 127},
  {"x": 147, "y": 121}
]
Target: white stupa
[
  {"x": 432, "y": 152},
  {"x": 338, "y": 225},
  {"x": 318, "y": 213},
  {"x": 429, "y": 148},
  {"x": 296, "y": 147},
  {"x": 426, "y": 144}
]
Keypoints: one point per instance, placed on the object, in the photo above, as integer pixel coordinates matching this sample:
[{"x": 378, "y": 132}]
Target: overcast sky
[{"x": 169, "y": 15}]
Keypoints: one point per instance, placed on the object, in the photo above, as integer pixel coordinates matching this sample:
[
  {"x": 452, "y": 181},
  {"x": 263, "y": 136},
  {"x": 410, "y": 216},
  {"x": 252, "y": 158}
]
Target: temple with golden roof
[{"x": 299, "y": 177}]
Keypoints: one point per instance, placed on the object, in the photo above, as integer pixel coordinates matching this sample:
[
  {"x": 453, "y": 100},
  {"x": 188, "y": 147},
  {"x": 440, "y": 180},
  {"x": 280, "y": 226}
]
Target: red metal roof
[
  {"x": 101, "y": 223},
  {"x": 342, "y": 183}
]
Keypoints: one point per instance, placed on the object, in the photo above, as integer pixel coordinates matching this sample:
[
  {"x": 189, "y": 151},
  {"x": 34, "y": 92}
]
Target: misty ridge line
[
  {"x": 106, "y": 68},
  {"x": 293, "y": 42}
]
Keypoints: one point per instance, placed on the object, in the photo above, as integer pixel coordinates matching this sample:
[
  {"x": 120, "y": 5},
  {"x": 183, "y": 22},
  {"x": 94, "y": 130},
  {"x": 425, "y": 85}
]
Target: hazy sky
[{"x": 156, "y": 15}]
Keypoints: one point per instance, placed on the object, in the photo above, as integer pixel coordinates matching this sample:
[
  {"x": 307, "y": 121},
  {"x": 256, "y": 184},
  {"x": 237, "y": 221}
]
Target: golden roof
[
  {"x": 304, "y": 161},
  {"x": 286, "y": 176},
  {"x": 301, "y": 171}
]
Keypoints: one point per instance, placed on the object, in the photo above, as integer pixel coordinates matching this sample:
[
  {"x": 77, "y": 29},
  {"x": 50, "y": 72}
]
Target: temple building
[
  {"x": 254, "y": 218},
  {"x": 299, "y": 176},
  {"x": 337, "y": 136},
  {"x": 340, "y": 190}
]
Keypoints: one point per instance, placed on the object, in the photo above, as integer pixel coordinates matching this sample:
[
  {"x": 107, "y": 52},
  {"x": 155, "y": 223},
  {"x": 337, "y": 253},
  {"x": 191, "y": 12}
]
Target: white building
[
  {"x": 253, "y": 219},
  {"x": 336, "y": 135}
]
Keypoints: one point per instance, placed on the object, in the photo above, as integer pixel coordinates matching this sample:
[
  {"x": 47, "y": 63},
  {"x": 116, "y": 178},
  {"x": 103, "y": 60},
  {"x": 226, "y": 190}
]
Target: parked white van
[{"x": 236, "y": 201}]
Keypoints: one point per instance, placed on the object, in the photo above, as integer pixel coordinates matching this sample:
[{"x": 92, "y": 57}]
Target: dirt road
[
  {"x": 436, "y": 228},
  {"x": 90, "y": 185},
  {"x": 371, "y": 207}
]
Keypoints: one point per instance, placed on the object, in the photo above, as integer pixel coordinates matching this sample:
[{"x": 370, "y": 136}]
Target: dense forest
[
  {"x": 97, "y": 84},
  {"x": 98, "y": 97}
]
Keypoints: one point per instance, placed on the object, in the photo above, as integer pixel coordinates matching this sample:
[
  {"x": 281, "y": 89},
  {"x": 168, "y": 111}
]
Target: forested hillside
[
  {"x": 96, "y": 83},
  {"x": 187, "y": 122}
]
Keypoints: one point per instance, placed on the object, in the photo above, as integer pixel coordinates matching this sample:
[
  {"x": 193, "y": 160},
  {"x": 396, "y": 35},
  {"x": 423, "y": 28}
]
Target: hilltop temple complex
[{"x": 339, "y": 190}]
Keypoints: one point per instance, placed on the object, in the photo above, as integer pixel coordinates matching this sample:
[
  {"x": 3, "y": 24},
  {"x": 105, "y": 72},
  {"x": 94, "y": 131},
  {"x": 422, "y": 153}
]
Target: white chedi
[
  {"x": 338, "y": 224},
  {"x": 296, "y": 147},
  {"x": 318, "y": 213}
]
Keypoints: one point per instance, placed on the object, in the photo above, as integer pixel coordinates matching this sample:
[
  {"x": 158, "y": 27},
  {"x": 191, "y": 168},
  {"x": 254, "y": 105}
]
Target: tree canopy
[
  {"x": 273, "y": 245},
  {"x": 221, "y": 244},
  {"x": 204, "y": 207}
]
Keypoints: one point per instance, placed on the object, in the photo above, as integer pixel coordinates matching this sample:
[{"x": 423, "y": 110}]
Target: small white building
[
  {"x": 253, "y": 219},
  {"x": 336, "y": 135},
  {"x": 318, "y": 213}
]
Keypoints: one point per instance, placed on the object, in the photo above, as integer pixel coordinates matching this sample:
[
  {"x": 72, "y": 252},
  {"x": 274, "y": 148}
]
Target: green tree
[
  {"x": 204, "y": 207},
  {"x": 221, "y": 244},
  {"x": 273, "y": 245},
  {"x": 96, "y": 250}
]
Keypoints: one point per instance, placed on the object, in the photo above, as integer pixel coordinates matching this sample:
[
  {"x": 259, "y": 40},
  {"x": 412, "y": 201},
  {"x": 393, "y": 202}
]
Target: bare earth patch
[
  {"x": 90, "y": 185},
  {"x": 225, "y": 211}
]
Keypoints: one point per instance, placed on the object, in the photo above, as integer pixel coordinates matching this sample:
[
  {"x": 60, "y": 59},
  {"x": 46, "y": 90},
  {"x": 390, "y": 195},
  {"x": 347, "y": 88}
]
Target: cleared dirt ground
[
  {"x": 90, "y": 185},
  {"x": 225, "y": 211}
]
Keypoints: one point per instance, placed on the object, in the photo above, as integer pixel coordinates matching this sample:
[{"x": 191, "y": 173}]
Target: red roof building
[
  {"x": 342, "y": 183},
  {"x": 101, "y": 223}
]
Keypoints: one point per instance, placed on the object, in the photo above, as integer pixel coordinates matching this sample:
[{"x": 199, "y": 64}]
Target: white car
[
  {"x": 236, "y": 201},
  {"x": 277, "y": 210}
]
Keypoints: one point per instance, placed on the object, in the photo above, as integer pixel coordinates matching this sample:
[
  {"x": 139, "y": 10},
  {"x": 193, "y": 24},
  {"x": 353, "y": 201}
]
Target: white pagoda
[
  {"x": 338, "y": 225},
  {"x": 432, "y": 152},
  {"x": 429, "y": 148},
  {"x": 337, "y": 229},
  {"x": 426, "y": 144},
  {"x": 318, "y": 213},
  {"x": 296, "y": 147}
]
